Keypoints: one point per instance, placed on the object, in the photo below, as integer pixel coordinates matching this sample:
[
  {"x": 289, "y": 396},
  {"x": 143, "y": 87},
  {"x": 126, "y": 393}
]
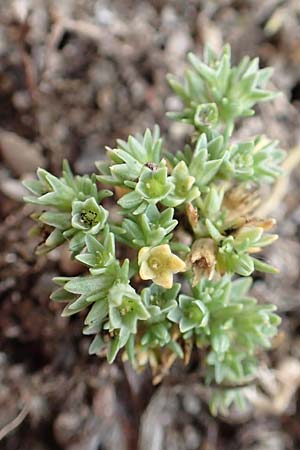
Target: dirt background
[{"x": 74, "y": 76}]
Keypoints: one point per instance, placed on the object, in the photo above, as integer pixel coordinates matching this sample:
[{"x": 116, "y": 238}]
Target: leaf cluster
[
  {"x": 169, "y": 273},
  {"x": 216, "y": 92}
]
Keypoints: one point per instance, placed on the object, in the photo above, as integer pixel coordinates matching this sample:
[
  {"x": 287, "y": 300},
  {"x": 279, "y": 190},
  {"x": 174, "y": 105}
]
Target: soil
[{"x": 74, "y": 76}]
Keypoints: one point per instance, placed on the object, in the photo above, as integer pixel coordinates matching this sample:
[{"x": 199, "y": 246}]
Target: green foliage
[
  {"x": 212, "y": 160},
  {"x": 159, "y": 303},
  {"x": 150, "y": 228},
  {"x": 129, "y": 158},
  {"x": 188, "y": 216},
  {"x": 152, "y": 187},
  {"x": 214, "y": 91},
  {"x": 255, "y": 160},
  {"x": 72, "y": 207},
  {"x": 223, "y": 318}
]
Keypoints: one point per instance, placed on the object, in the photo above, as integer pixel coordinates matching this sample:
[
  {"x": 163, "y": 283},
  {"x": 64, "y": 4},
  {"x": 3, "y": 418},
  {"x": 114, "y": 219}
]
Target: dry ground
[{"x": 74, "y": 76}]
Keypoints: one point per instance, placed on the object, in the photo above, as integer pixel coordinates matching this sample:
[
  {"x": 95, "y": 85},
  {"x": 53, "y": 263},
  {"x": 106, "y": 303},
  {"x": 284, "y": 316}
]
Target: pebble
[
  {"x": 12, "y": 188},
  {"x": 178, "y": 44},
  {"x": 20, "y": 155}
]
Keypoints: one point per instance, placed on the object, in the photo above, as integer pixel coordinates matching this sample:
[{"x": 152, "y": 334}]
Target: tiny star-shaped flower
[{"x": 159, "y": 264}]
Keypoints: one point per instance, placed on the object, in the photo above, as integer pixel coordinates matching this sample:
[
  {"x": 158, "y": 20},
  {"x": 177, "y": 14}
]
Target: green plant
[{"x": 187, "y": 215}]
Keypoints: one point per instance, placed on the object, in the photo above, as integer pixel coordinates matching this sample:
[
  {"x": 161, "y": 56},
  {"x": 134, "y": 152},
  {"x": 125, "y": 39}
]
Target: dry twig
[{"x": 15, "y": 423}]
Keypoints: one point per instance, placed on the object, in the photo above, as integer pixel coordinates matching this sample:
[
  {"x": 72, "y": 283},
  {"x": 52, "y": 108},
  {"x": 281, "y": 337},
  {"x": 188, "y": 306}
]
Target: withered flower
[
  {"x": 192, "y": 215},
  {"x": 202, "y": 259},
  {"x": 240, "y": 203}
]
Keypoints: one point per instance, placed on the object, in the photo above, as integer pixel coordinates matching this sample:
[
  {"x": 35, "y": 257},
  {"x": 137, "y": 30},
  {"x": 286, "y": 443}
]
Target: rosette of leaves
[
  {"x": 212, "y": 160},
  {"x": 125, "y": 309},
  {"x": 104, "y": 270},
  {"x": 190, "y": 314},
  {"x": 184, "y": 189},
  {"x": 234, "y": 252},
  {"x": 219, "y": 92},
  {"x": 138, "y": 166},
  {"x": 257, "y": 160},
  {"x": 153, "y": 227},
  {"x": 203, "y": 162},
  {"x": 72, "y": 206},
  {"x": 158, "y": 335},
  {"x": 152, "y": 187},
  {"x": 129, "y": 158},
  {"x": 159, "y": 302}
]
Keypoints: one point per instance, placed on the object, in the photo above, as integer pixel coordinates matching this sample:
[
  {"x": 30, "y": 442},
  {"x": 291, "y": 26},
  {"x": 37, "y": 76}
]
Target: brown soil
[{"x": 75, "y": 75}]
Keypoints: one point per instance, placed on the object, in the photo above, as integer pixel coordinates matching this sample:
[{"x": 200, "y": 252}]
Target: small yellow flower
[{"x": 159, "y": 264}]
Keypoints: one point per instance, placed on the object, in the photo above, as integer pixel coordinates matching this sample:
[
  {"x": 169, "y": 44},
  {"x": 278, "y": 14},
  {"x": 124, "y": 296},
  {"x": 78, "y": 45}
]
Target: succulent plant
[{"x": 187, "y": 220}]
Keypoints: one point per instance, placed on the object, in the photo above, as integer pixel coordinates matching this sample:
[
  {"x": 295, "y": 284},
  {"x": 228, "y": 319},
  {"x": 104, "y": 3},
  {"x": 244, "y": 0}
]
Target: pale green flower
[{"x": 88, "y": 216}]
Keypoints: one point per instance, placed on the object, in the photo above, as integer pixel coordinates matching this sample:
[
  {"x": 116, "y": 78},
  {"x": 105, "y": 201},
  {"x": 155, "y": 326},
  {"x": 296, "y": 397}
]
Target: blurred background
[{"x": 74, "y": 76}]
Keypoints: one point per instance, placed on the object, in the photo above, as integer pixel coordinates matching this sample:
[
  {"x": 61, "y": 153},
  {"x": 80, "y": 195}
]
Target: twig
[
  {"x": 95, "y": 33},
  {"x": 15, "y": 423},
  {"x": 82, "y": 27},
  {"x": 281, "y": 186},
  {"x": 173, "y": 380}
]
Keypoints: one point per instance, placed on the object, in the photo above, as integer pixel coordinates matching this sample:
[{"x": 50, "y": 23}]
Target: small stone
[
  {"x": 13, "y": 189},
  {"x": 66, "y": 427},
  {"x": 178, "y": 44},
  {"x": 104, "y": 402},
  {"x": 20, "y": 155},
  {"x": 191, "y": 402},
  {"x": 22, "y": 100},
  {"x": 192, "y": 438}
]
